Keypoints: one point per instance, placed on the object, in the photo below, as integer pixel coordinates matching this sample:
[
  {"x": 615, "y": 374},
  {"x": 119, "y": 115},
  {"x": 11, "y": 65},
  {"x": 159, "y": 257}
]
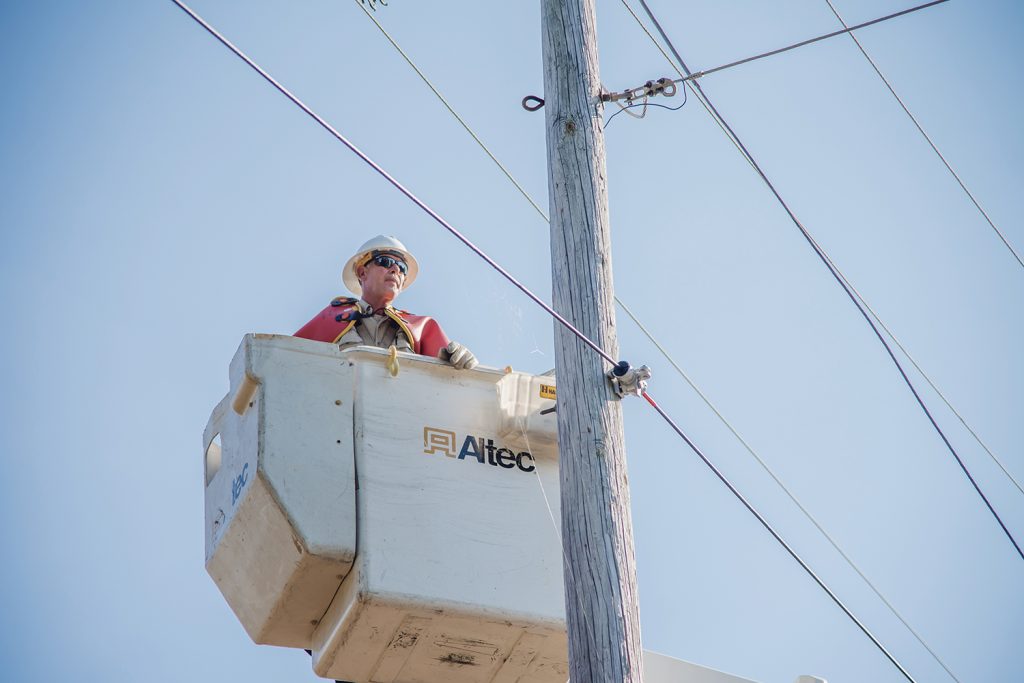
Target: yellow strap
[
  {"x": 392, "y": 364},
  {"x": 401, "y": 323},
  {"x": 351, "y": 324}
]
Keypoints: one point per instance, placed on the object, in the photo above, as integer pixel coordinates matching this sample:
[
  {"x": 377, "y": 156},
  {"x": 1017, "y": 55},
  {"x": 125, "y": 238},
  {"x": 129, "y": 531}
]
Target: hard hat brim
[{"x": 365, "y": 253}]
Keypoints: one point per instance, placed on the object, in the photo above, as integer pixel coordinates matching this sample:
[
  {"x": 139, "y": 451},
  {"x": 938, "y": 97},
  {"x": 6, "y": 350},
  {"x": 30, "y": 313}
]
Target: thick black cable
[
  {"x": 391, "y": 179},
  {"x": 850, "y": 29},
  {"x": 833, "y": 270},
  {"x": 533, "y": 297}
]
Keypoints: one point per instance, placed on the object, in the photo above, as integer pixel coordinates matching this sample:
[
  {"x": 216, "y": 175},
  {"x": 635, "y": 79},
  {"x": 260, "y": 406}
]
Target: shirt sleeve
[{"x": 433, "y": 339}]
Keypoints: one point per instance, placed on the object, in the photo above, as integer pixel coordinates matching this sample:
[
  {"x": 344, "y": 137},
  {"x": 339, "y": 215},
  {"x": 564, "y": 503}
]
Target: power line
[
  {"x": 984, "y": 214},
  {"x": 932, "y": 384},
  {"x": 841, "y": 280},
  {"x": 672, "y": 361},
  {"x": 931, "y": 144},
  {"x": 454, "y": 113},
  {"x": 792, "y": 496},
  {"x": 848, "y": 29},
  {"x": 433, "y": 214},
  {"x": 397, "y": 185},
  {"x": 689, "y": 84},
  {"x": 864, "y": 301},
  {"x": 778, "y": 538}
]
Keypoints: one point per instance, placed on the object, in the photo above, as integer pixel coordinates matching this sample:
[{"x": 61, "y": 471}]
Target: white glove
[{"x": 458, "y": 355}]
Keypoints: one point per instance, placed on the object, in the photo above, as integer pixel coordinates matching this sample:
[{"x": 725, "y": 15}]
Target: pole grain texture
[{"x": 601, "y": 600}]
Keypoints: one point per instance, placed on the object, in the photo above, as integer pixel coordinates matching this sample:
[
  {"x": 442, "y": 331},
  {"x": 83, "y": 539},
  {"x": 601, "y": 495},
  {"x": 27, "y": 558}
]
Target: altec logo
[{"x": 480, "y": 449}]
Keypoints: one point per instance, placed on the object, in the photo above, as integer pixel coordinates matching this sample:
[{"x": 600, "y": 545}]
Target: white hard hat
[{"x": 379, "y": 244}]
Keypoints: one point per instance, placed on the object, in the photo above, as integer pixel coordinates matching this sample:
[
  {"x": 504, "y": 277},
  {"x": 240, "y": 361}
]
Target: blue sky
[{"x": 158, "y": 200}]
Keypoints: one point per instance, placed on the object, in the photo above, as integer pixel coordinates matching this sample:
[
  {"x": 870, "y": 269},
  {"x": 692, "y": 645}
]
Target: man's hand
[{"x": 458, "y": 355}]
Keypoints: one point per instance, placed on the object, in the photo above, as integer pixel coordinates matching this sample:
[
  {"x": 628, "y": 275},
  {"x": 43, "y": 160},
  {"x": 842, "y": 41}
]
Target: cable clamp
[
  {"x": 629, "y": 381},
  {"x": 662, "y": 86}
]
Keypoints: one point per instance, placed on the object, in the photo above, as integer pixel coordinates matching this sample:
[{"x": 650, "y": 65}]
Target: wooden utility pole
[{"x": 597, "y": 530}]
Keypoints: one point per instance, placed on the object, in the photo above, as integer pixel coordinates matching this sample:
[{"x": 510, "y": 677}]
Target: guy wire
[
  {"x": 394, "y": 182},
  {"x": 682, "y": 373},
  {"x": 931, "y": 144},
  {"x": 433, "y": 214},
  {"x": 847, "y": 29},
  {"x": 819, "y": 251}
]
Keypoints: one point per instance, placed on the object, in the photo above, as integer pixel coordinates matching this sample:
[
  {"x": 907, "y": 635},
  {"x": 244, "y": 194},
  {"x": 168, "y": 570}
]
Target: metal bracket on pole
[
  {"x": 629, "y": 381},
  {"x": 662, "y": 86}
]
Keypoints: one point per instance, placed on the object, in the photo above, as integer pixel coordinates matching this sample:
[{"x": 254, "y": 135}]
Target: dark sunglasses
[{"x": 388, "y": 261}]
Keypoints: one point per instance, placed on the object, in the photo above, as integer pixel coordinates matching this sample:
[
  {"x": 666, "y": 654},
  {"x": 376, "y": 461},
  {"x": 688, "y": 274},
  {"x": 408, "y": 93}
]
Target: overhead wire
[
  {"x": 984, "y": 214},
  {"x": 437, "y": 218},
  {"x": 820, "y": 252},
  {"x": 881, "y": 322},
  {"x": 928, "y": 139},
  {"x": 672, "y": 424},
  {"x": 670, "y": 359},
  {"x": 689, "y": 84},
  {"x": 935, "y": 388},
  {"x": 451, "y": 109},
  {"x": 850, "y": 30},
  {"x": 395, "y": 183},
  {"x": 771, "y": 53},
  {"x": 627, "y": 107},
  {"x": 793, "y": 497}
]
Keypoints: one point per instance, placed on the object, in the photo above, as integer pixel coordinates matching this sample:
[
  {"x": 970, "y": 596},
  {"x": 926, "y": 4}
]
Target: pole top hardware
[
  {"x": 662, "y": 86},
  {"x": 627, "y": 380}
]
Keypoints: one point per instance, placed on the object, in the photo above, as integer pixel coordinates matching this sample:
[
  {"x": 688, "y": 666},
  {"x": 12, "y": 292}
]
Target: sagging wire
[
  {"x": 533, "y": 103},
  {"x": 454, "y": 113},
  {"x": 396, "y": 184},
  {"x": 688, "y": 83},
  {"x": 645, "y": 104},
  {"x": 729, "y": 135},
  {"x": 626, "y": 108},
  {"x": 931, "y": 143},
  {"x": 792, "y": 496},
  {"x": 583, "y": 338},
  {"x": 984, "y": 214},
  {"x": 775, "y": 535},
  {"x": 820, "y": 252}
]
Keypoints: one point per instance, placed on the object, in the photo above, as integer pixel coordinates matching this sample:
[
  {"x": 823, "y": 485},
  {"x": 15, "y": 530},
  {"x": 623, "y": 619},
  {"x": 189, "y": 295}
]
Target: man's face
[{"x": 381, "y": 284}]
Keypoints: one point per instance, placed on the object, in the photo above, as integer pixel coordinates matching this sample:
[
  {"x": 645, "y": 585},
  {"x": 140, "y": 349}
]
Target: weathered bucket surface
[
  {"x": 401, "y": 527},
  {"x": 459, "y": 571},
  {"x": 457, "y": 575},
  {"x": 280, "y": 503}
]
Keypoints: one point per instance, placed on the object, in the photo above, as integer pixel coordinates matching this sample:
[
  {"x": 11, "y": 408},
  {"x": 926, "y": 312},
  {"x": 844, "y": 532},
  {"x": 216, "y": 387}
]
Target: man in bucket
[{"x": 377, "y": 273}]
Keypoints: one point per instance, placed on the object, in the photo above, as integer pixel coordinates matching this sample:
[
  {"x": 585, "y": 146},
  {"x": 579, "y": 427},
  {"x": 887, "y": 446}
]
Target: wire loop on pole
[{"x": 536, "y": 103}]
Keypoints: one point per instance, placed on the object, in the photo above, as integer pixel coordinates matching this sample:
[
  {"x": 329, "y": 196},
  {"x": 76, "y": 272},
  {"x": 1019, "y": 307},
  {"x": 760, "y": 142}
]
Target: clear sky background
[{"x": 158, "y": 200}]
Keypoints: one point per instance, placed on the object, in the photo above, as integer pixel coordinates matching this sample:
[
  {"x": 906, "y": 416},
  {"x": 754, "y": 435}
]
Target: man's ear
[{"x": 360, "y": 273}]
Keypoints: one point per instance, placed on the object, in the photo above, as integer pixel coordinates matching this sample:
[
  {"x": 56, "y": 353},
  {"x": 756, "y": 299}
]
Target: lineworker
[{"x": 377, "y": 273}]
